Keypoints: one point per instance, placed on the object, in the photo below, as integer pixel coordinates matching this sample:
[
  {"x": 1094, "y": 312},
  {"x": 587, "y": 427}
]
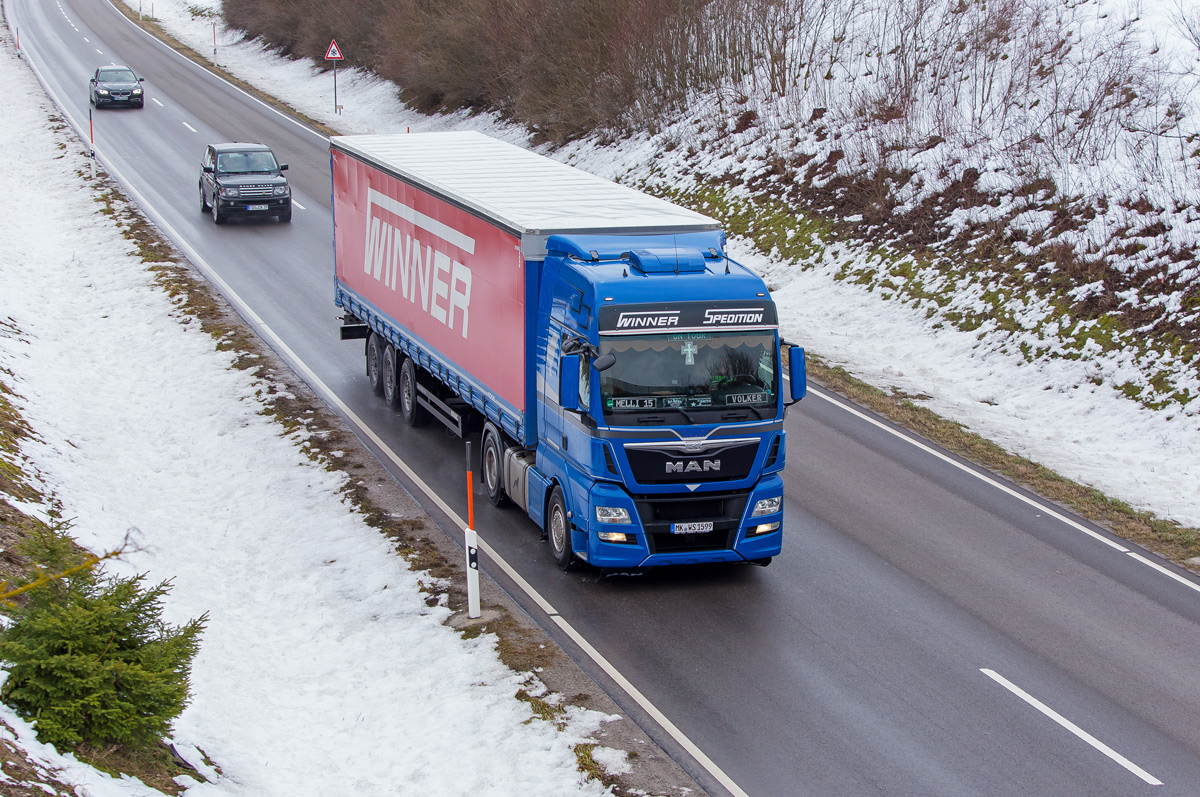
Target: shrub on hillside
[{"x": 92, "y": 660}]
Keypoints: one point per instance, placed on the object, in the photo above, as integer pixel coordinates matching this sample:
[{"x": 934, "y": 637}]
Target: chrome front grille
[{"x": 256, "y": 190}]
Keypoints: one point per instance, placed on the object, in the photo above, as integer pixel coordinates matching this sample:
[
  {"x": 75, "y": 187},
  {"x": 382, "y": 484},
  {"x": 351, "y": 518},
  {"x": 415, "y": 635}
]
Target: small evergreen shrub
[{"x": 92, "y": 661}]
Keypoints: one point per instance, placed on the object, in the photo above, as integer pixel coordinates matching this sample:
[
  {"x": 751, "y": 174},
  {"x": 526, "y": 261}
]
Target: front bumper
[
  {"x": 133, "y": 102},
  {"x": 653, "y": 543},
  {"x": 265, "y": 206}
]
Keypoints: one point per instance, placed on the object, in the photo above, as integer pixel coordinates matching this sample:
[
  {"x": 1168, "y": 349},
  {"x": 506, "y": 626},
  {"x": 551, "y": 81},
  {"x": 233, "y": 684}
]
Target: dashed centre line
[{"x": 1072, "y": 727}]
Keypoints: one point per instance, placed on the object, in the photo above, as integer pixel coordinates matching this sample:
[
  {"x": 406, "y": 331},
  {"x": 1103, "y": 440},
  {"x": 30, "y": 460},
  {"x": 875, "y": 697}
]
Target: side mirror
[
  {"x": 568, "y": 382},
  {"x": 797, "y": 373},
  {"x": 604, "y": 361},
  {"x": 141, "y": 80},
  {"x": 283, "y": 167},
  {"x": 207, "y": 169}
]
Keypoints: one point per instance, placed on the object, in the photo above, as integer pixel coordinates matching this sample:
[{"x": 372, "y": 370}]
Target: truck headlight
[
  {"x": 613, "y": 514},
  {"x": 615, "y": 536},
  {"x": 767, "y": 506},
  {"x": 762, "y": 528}
]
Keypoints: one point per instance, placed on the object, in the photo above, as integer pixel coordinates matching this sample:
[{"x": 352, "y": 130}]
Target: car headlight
[
  {"x": 137, "y": 92},
  {"x": 613, "y": 514},
  {"x": 230, "y": 190},
  {"x": 767, "y": 506},
  {"x": 102, "y": 91},
  {"x": 281, "y": 190}
]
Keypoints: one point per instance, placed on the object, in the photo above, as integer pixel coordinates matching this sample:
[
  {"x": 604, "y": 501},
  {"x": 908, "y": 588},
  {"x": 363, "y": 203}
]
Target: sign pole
[
  {"x": 335, "y": 55},
  {"x": 472, "y": 545}
]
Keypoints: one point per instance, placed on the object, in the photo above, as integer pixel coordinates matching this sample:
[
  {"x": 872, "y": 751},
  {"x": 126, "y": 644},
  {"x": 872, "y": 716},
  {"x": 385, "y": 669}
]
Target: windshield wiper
[{"x": 750, "y": 407}]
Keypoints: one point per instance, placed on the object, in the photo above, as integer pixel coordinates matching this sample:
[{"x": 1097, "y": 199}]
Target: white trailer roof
[{"x": 521, "y": 190}]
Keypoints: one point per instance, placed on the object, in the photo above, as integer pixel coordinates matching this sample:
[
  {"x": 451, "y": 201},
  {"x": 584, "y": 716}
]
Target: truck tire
[
  {"x": 558, "y": 531},
  {"x": 375, "y": 364},
  {"x": 413, "y": 413},
  {"x": 492, "y": 466},
  {"x": 391, "y": 388}
]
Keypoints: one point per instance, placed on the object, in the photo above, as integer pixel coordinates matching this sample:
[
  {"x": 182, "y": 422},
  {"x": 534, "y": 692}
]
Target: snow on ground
[
  {"x": 1052, "y": 412},
  {"x": 322, "y": 670}
]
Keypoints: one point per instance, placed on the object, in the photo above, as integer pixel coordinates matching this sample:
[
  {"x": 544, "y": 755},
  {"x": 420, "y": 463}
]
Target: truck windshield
[{"x": 688, "y": 371}]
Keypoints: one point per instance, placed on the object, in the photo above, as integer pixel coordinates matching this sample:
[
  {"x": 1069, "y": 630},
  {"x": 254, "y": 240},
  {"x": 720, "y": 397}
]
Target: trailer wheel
[
  {"x": 558, "y": 529},
  {"x": 375, "y": 364},
  {"x": 413, "y": 413},
  {"x": 492, "y": 465},
  {"x": 391, "y": 390}
]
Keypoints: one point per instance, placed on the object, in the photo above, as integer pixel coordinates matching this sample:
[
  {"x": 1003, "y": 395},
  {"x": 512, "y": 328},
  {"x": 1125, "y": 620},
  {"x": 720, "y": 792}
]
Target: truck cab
[{"x": 660, "y": 421}]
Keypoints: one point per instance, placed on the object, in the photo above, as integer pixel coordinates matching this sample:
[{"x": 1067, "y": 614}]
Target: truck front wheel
[
  {"x": 558, "y": 530},
  {"x": 493, "y": 462},
  {"x": 374, "y": 364},
  {"x": 413, "y": 413}
]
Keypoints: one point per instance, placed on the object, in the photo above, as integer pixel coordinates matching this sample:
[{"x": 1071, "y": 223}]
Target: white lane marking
[
  {"x": 156, "y": 102},
  {"x": 85, "y": 38},
  {"x": 1072, "y": 727},
  {"x": 981, "y": 476},
  {"x": 1164, "y": 571},
  {"x": 189, "y": 127},
  {"x": 297, "y": 204},
  {"x": 650, "y": 709},
  {"x": 99, "y": 51}
]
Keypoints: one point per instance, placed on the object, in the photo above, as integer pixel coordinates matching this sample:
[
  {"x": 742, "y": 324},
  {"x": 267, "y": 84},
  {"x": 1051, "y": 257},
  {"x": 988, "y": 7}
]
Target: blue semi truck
[{"x": 625, "y": 376}]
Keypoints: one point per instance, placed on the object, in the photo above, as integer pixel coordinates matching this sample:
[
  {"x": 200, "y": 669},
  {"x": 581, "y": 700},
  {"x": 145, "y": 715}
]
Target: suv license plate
[
  {"x": 692, "y": 528},
  {"x": 256, "y": 207}
]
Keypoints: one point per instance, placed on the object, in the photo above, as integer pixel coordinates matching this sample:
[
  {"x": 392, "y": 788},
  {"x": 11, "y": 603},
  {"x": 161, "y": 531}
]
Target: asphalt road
[{"x": 929, "y": 629}]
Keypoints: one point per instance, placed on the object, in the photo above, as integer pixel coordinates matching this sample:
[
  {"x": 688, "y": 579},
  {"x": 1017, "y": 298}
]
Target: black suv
[
  {"x": 115, "y": 85},
  {"x": 243, "y": 180}
]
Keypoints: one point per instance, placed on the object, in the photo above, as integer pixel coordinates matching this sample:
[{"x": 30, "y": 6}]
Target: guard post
[{"x": 472, "y": 544}]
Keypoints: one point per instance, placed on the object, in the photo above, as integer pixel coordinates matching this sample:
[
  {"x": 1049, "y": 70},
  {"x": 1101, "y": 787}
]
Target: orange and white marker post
[{"x": 472, "y": 545}]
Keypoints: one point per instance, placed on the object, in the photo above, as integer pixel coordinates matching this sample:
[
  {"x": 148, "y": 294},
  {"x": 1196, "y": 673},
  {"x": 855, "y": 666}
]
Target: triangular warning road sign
[{"x": 333, "y": 54}]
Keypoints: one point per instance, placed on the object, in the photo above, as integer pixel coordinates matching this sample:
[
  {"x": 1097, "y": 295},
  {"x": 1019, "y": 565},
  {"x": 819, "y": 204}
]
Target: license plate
[
  {"x": 256, "y": 207},
  {"x": 692, "y": 528}
]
